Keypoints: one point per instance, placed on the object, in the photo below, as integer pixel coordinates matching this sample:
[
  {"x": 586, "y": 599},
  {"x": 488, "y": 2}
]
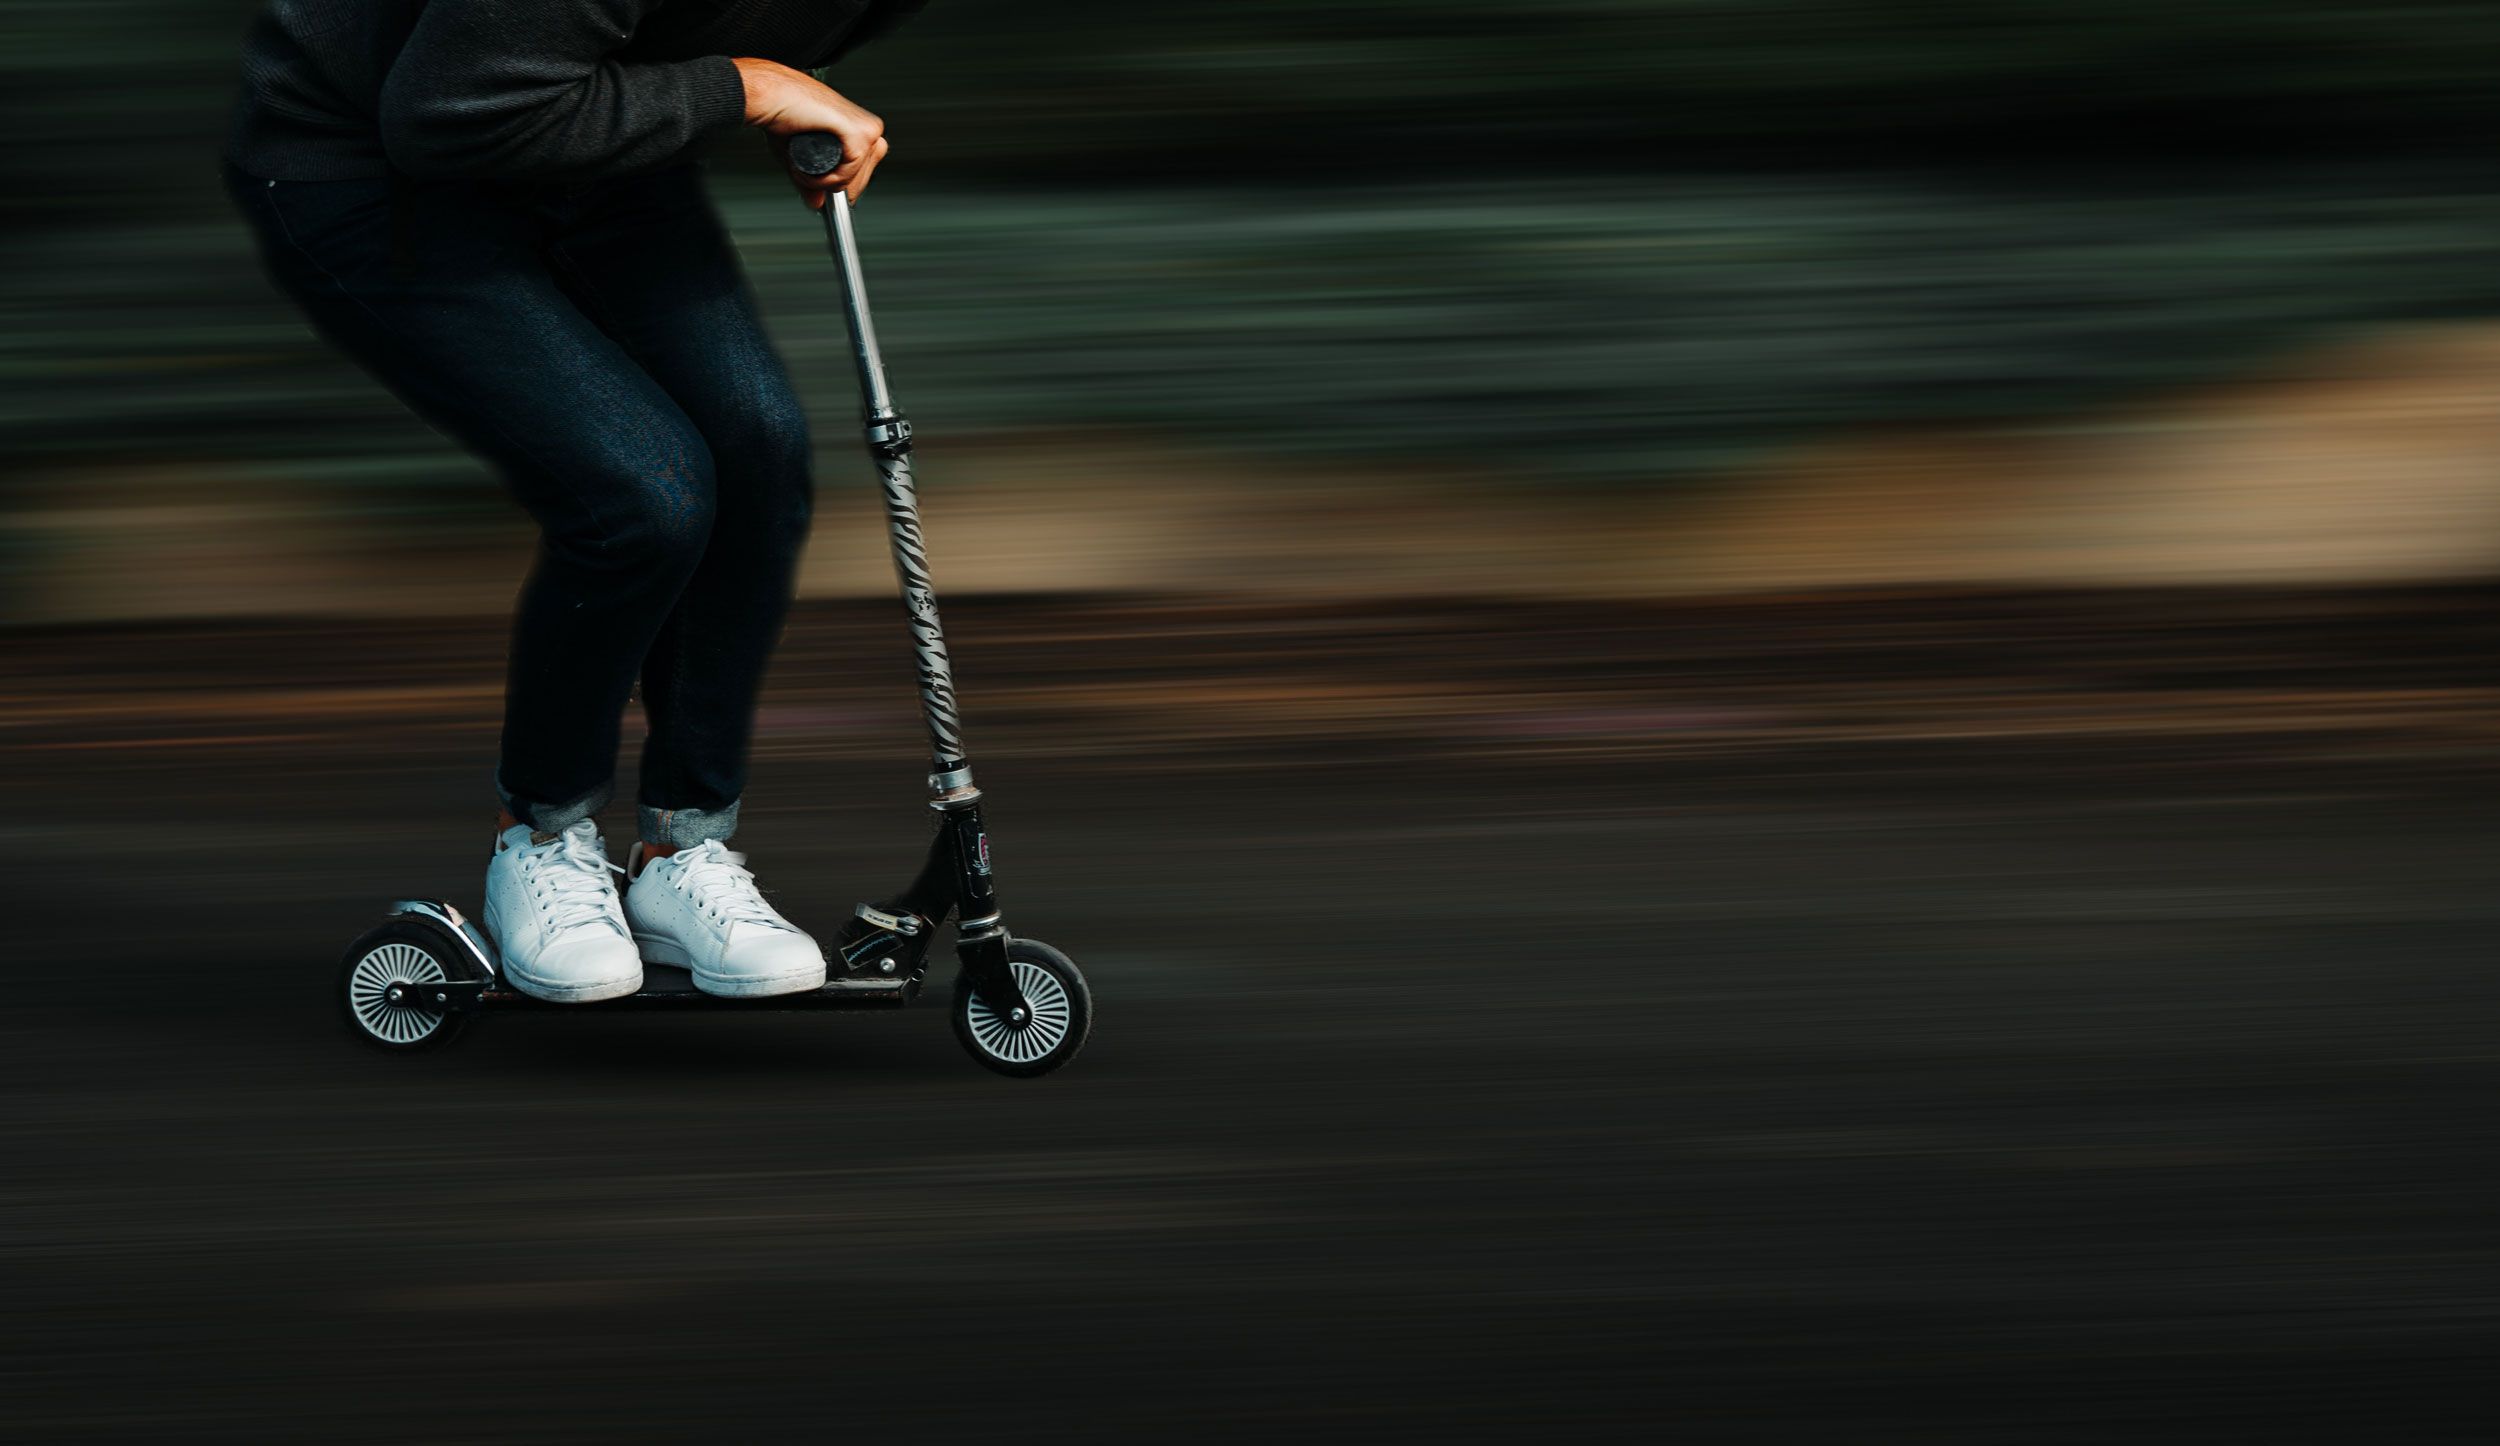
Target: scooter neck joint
[{"x": 889, "y": 436}]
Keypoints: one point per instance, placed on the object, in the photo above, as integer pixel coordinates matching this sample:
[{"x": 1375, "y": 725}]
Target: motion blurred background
[
  {"x": 1776, "y": 715},
  {"x": 1624, "y": 297}
]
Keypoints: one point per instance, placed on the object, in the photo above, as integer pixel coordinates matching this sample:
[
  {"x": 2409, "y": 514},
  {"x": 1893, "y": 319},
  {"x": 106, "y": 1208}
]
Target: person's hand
[{"x": 782, "y": 103}]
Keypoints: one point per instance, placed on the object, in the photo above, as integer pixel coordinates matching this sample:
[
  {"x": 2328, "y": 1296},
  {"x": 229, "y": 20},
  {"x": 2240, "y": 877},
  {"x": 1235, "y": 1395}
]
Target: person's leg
[
  {"x": 444, "y": 294},
  {"x": 648, "y": 258}
]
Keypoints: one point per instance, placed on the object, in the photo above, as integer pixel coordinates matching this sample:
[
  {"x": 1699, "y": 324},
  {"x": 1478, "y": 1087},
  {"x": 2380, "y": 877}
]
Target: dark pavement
[{"x": 1892, "y": 1019}]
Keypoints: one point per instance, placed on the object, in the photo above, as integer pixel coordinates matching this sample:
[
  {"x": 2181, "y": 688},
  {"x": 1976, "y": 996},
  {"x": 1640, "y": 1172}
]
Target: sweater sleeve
[{"x": 529, "y": 89}]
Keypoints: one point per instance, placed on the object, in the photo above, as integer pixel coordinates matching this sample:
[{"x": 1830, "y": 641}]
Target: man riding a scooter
[{"x": 491, "y": 209}]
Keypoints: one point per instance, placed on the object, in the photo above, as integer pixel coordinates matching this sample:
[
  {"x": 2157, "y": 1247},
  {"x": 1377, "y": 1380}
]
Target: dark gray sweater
[{"x": 568, "y": 90}]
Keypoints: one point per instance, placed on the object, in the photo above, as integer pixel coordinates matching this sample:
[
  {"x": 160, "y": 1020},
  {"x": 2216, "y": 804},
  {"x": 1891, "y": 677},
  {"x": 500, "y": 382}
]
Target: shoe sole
[
  {"x": 572, "y": 993},
  {"x": 656, "y": 950}
]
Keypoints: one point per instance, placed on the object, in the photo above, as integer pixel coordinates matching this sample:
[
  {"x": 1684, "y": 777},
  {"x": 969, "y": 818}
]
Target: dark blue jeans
[{"x": 598, "y": 345}]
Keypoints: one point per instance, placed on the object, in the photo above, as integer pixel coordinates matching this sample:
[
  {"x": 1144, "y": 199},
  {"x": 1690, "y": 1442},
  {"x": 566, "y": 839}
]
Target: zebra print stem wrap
[{"x": 911, "y": 564}]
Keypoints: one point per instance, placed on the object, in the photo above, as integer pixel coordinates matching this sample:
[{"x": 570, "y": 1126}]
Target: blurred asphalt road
[{"x": 1962, "y": 1019}]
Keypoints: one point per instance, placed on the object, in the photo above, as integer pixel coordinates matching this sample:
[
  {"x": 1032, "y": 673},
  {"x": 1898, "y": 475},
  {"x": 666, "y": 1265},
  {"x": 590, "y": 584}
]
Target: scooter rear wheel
[
  {"x": 1059, "y": 1014},
  {"x": 401, "y": 955}
]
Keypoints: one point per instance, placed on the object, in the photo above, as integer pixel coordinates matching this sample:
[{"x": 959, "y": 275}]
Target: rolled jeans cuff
[
  {"x": 553, "y": 817},
  {"x": 683, "y": 828}
]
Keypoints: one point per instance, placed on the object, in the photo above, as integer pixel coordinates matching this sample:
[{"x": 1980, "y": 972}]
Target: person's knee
[
  {"x": 654, "y": 500},
  {"x": 763, "y": 443},
  {"x": 672, "y": 526}
]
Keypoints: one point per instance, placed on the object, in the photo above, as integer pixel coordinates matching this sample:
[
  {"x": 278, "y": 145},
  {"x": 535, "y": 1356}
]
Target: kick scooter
[{"x": 1020, "y": 1007}]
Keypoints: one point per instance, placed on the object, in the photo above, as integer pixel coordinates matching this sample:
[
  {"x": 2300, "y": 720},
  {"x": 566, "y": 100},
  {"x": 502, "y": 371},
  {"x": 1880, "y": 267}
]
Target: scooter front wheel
[
  {"x": 1058, "y": 1014},
  {"x": 382, "y": 986}
]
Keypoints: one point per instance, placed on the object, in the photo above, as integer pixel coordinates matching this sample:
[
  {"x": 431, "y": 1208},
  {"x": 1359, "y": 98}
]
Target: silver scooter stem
[
  {"x": 889, "y": 441},
  {"x": 844, "y": 242}
]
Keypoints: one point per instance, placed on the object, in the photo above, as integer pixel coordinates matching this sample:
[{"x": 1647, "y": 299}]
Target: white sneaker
[
  {"x": 553, "y": 911},
  {"x": 698, "y": 909}
]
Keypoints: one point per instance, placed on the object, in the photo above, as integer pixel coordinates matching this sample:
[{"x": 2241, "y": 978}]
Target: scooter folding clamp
[{"x": 889, "y": 436}]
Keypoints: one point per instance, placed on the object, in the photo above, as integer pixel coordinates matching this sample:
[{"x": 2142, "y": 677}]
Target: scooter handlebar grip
[{"x": 817, "y": 153}]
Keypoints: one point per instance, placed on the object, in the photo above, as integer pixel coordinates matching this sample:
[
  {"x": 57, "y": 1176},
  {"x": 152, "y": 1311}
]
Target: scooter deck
[{"x": 666, "y": 986}]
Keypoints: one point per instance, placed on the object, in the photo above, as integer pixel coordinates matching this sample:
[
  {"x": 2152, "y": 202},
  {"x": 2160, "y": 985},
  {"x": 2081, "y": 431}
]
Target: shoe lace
[
  {"x": 572, "y": 877},
  {"x": 718, "y": 878}
]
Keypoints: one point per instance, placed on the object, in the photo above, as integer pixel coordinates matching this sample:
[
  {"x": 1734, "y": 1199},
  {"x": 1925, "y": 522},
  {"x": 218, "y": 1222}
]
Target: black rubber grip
[{"x": 818, "y": 153}]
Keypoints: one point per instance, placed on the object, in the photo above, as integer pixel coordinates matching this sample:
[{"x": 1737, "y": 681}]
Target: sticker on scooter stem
[{"x": 981, "y": 853}]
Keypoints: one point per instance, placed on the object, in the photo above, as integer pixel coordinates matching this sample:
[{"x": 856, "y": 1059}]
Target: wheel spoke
[
  {"x": 368, "y": 992},
  {"x": 1048, "y": 1018}
]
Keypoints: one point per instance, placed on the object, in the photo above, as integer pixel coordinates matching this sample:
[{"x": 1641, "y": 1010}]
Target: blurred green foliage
[
  {"x": 1591, "y": 239},
  {"x": 1590, "y": 328}
]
